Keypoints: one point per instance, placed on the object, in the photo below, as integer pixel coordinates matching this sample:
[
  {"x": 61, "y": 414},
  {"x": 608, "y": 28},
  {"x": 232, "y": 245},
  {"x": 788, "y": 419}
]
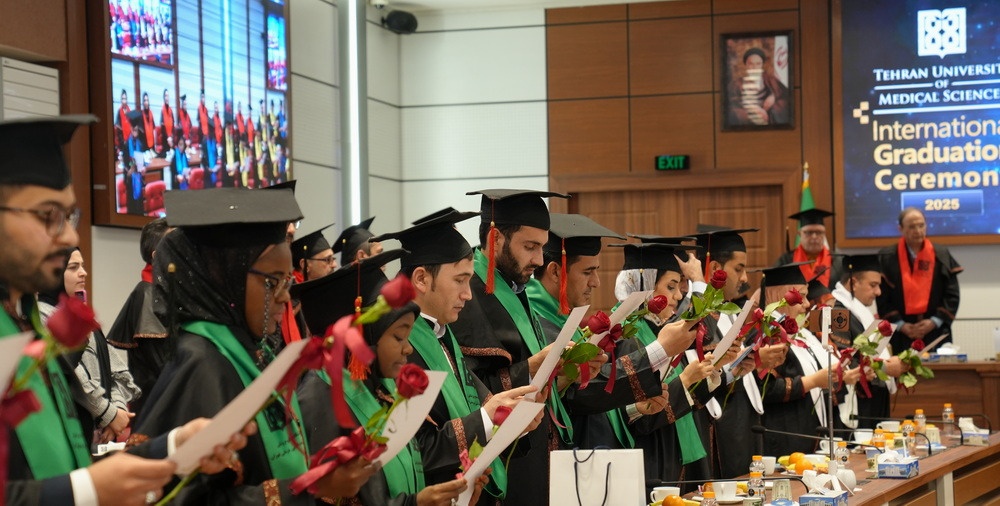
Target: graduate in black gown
[
  {"x": 355, "y": 243},
  {"x": 498, "y": 330},
  {"x": 440, "y": 265},
  {"x": 552, "y": 292},
  {"x": 221, "y": 283},
  {"x": 401, "y": 482},
  {"x": 49, "y": 460}
]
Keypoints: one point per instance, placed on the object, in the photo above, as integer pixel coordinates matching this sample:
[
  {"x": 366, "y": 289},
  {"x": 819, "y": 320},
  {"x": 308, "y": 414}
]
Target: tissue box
[
  {"x": 833, "y": 499},
  {"x": 948, "y": 358},
  {"x": 976, "y": 438},
  {"x": 907, "y": 468}
]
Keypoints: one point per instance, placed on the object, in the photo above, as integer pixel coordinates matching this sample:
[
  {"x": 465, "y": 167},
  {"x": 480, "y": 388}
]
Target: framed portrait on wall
[{"x": 757, "y": 81}]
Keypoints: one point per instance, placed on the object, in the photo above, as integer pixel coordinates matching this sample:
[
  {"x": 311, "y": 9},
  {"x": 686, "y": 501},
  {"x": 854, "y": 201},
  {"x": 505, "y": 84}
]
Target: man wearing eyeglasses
[
  {"x": 49, "y": 460},
  {"x": 312, "y": 256},
  {"x": 812, "y": 247}
]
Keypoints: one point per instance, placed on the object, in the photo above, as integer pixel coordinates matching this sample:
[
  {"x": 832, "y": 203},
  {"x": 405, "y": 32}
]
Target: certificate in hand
[
  {"x": 733, "y": 332},
  {"x": 407, "y": 418},
  {"x": 627, "y": 307},
  {"x": 549, "y": 364},
  {"x": 237, "y": 413},
  {"x": 512, "y": 428}
]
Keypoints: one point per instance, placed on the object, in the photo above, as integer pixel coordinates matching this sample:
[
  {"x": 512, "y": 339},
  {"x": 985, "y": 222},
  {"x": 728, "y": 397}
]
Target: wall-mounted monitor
[
  {"x": 917, "y": 119},
  {"x": 194, "y": 94}
]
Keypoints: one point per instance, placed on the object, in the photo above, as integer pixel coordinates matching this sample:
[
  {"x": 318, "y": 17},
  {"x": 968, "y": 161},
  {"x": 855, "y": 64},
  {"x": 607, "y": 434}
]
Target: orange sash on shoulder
[
  {"x": 809, "y": 270},
  {"x": 918, "y": 278}
]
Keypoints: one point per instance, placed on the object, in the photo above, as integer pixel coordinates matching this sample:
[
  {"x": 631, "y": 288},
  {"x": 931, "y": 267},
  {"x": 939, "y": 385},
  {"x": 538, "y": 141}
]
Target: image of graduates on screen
[
  {"x": 142, "y": 29},
  {"x": 213, "y": 119}
]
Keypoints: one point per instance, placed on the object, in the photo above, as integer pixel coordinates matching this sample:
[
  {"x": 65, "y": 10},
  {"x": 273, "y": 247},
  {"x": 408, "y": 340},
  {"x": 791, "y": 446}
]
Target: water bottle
[
  {"x": 841, "y": 454},
  {"x": 920, "y": 420},
  {"x": 909, "y": 440},
  {"x": 878, "y": 438},
  {"x": 755, "y": 486},
  {"x": 708, "y": 498},
  {"x": 757, "y": 464},
  {"x": 948, "y": 416}
]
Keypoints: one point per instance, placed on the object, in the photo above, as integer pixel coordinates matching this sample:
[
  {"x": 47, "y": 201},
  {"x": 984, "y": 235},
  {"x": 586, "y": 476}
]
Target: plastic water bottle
[
  {"x": 757, "y": 464},
  {"x": 708, "y": 498},
  {"x": 878, "y": 438},
  {"x": 755, "y": 486},
  {"x": 920, "y": 420},
  {"x": 948, "y": 416},
  {"x": 841, "y": 455},
  {"x": 909, "y": 440}
]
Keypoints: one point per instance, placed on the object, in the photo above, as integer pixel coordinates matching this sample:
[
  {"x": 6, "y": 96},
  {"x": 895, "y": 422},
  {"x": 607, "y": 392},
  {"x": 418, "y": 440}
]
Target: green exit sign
[{"x": 673, "y": 162}]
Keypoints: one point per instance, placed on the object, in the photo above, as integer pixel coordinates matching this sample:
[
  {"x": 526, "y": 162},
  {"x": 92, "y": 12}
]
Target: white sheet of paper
[
  {"x": 825, "y": 323},
  {"x": 733, "y": 333},
  {"x": 11, "y": 351},
  {"x": 935, "y": 342},
  {"x": 407, "y": 418},
  {"x": 512, "y": 428},
  {"x": 627, "y": 307},
  {"x": 237, "y": 413},
  {"x": 545, "y": 370}
]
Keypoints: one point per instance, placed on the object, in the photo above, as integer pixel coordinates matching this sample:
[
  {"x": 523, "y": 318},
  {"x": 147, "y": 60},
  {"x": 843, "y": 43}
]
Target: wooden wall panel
[
  {"x": 569, "y": 15},
  {"x": 759, "y": 149},
  {"x": 738, "y": 6},
  {"x": 587, "y": 60},
  {"x": 589, "y": 137},
  {"x": 817, "y": 144},
  {"x": 673, "y": 9},
  {"x": 34, "y": 30},
  {"x": 672, "y": 125},
  {"x": 668, "y": 56}
]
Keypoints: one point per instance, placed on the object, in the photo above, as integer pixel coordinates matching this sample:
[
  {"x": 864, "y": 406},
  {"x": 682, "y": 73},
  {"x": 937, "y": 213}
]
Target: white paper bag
[{"x": 597, "y": 477}]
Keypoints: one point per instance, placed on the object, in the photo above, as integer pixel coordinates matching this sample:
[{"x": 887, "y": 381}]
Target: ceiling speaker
[{"x": 400, "y": 22}]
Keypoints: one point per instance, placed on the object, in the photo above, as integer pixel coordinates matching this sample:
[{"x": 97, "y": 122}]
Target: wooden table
[
  {"x": 959, "y": 475},
  {"x": 971, "y": 387}
]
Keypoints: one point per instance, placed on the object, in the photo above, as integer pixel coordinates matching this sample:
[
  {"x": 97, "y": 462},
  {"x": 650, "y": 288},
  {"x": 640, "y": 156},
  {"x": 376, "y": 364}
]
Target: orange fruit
[
  {"x": 673, "y": 500},
  {"x": 803, "y": 466},
  {"x": 795, "y": 458}
]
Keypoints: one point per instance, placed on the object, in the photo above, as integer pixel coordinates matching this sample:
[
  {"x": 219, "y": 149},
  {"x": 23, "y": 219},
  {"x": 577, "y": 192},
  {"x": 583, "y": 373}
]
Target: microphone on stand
[
  {"x": 760, "y": 429},
  {"x": 823, "y": 430},
  {"x": 653, "y": 482}
]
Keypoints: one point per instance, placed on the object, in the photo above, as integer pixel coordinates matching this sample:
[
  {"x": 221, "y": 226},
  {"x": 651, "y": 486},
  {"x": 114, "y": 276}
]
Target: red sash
[
  {"x": 809, "y": 270},
  {"x": 918, "y": 279},
  {"x": 167, "y": 121},
  {"x": 203, "y": 121},
  {"x": 289, "y": 327},
  {"x": 126, "y": 125},
  {"x": 149, "y": 126}
]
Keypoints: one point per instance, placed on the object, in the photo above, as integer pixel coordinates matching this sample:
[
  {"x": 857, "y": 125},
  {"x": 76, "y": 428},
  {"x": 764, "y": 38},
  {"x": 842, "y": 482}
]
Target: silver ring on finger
[
  {"x": 234, "y": 458},
  {"x": 454, "y": 502},
  {"x": 152, "y": 496}
]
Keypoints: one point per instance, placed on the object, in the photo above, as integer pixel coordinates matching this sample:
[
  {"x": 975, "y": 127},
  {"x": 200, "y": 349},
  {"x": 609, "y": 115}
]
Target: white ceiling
[{"x": 478, "y": 5}]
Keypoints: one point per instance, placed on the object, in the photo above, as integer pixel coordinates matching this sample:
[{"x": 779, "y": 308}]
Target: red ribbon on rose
[
  {"x": 13, "y": 410},
  {"x": 607, "y": 344},
  {"x": 336, "y": 452}
]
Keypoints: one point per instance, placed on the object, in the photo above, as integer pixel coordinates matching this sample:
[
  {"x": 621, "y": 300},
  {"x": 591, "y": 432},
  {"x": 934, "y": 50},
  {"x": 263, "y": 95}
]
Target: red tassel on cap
[
  {"x": 708, "y": 256},
  {"x": 358, "y": 369},
  {"x": 563, "y": 299},
  {"x": 491, "y": 263}
]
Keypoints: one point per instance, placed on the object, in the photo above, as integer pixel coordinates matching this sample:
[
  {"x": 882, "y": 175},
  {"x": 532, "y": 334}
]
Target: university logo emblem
[{"x": 941, "y": 32}]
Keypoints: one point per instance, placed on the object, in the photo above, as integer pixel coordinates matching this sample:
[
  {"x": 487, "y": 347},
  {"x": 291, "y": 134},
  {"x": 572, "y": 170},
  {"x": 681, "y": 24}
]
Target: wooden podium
[{"x": 970, "y": 387}]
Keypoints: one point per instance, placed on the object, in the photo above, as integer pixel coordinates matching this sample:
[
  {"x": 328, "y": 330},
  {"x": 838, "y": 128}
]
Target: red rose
[
  {"x": 599, "y": 322},
  {"x": 616, "y": 332},
  {"x": 398, "y": 292},
  {"x": 885, "y": 328},
  {"x": 72, "y": 322},
  {"x": 412, "y": 380},
  {"x": 793, "y": 297},
  {"x": 501, "y": 414},
  {"x": 757, "y": 315},
  {"x": 790, "y": 325},
  {"x": 718, "y": 279},
  {"x": 657, "y": 304},
  {"x": 917, "y": 345}
]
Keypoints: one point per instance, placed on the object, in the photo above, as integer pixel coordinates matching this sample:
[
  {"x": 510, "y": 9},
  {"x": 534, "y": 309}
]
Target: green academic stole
[
  {"x": 52, "y": 437},
  {"x": 531, "y": 334},
  {"x": 548, "y": 307},
  {"x": 285, "y": 461},
  {"x": 405, "y": 472},
  {"x": 687, "y": 434},
  {"x": 459, "y": 393}
]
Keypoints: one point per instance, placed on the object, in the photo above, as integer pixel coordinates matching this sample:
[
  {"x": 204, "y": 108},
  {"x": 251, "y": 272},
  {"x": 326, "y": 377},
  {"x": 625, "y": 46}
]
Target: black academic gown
[
  {"x": 789, "y": 408},
  {"x": 198, "y": 382},
  {"x": 873, "y": 408},
  {"x": 321, "y": 427},
  {"x": 138, "y": 331},
  {"x": 495, "y": 352}
]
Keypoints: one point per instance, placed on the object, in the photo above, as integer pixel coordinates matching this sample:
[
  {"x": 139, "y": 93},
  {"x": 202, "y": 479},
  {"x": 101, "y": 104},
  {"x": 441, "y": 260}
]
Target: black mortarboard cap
[
  {"x": 232, "y": 217},
  {"x": 719, "y": 241},
  {"x": 817, "y": 290},
  {"x": 516, "y": 207},
  {"x": 433, "y": 242},
  {"x": 861, "y": 263},
  {"x": 287, "y": 185},
  {"x": 653, "y": 255},
  {"x": 435, "y": 214},
  {"x": 811, "y": 216},
  {"x": 309, "y": 245},
  {"x": 647, "y": 238},
  {"x": 184, "y": 96},
  {"x": 582, "y": 235},
  {"x": 31, "y": 150},
  {"x": 134, "y": 117},
  {"x": 704, "y": 228},
  {"x": 327, "y": 299},
  {"x": 787, "y": 274},
  {"x": 351, "y": 239}
]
